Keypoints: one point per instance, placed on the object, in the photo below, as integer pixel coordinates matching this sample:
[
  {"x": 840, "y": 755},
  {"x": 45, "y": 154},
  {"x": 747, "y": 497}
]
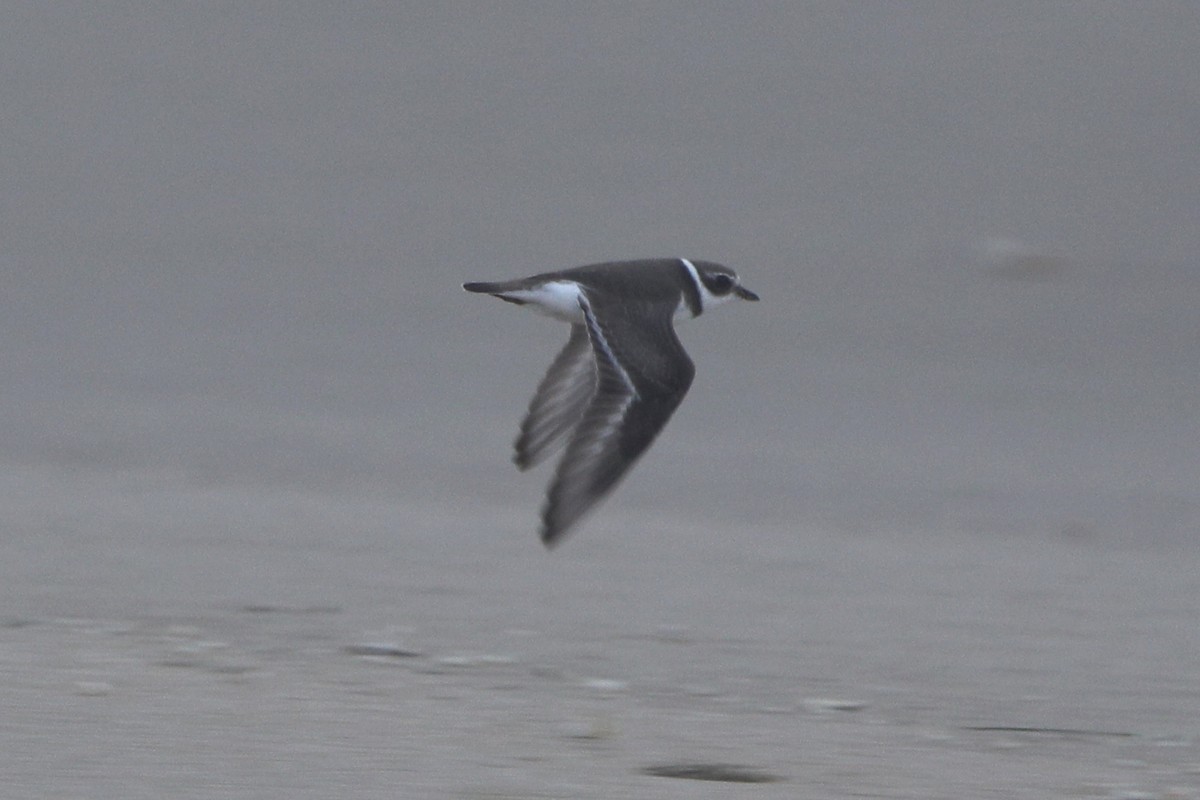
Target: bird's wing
[
  {"x": 559, "y": 403},
  {"x": 642, "y": 373}
]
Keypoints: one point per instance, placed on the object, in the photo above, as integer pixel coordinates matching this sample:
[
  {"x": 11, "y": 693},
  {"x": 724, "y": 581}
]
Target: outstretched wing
[
  {"x": 642, "y": 373},
  {"x": 559, "y": 403}
]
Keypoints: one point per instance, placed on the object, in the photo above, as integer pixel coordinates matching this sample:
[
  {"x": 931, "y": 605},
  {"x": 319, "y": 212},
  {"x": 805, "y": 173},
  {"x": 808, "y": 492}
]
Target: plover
[{"x": 621, "y": 375}]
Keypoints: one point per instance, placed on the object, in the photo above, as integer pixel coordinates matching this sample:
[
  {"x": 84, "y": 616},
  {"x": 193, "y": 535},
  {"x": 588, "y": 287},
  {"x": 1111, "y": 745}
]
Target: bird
[{"x": 619, "y": 378}]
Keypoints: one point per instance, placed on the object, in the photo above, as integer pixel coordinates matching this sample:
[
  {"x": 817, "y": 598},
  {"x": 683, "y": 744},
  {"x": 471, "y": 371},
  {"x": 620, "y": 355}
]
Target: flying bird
[{"x": 621, "y": 375}]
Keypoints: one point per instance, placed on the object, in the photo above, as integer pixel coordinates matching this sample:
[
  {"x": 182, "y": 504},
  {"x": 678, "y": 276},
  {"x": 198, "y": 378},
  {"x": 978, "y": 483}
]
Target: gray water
[{"x": 945, "y": 473}]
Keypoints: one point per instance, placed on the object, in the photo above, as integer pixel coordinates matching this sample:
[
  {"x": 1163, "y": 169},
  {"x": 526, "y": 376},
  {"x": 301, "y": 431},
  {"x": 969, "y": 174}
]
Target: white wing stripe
[
  {"x": 596, "y": 446},
  {"x": 600, "y": 340}
]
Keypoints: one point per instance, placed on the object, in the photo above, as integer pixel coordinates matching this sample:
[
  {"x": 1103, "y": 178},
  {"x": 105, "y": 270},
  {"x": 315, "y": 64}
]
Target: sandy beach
[{"x": 375, "y": 664}]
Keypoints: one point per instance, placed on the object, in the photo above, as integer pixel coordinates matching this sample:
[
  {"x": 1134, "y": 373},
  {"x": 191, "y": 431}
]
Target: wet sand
[{"x": 453, "y": 657}]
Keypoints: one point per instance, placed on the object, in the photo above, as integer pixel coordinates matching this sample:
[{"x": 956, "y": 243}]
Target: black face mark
[{"x": 719, "y": 283}]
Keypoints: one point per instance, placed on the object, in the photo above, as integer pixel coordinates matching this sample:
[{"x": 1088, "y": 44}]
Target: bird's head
[{"x": 718, "y": 284}]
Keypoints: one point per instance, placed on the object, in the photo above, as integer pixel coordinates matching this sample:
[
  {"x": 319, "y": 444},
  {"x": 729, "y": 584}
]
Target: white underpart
[
  {"x": 682, "y": 311},
  {"x": 558, "y": 299}
]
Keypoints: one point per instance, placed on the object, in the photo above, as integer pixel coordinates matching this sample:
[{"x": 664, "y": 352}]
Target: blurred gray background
[{"x": 232, "y": 237}]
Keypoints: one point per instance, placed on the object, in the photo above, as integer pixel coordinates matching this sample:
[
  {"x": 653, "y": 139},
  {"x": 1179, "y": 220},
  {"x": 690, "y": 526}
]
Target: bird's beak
[{"x": 744, "y": 293}]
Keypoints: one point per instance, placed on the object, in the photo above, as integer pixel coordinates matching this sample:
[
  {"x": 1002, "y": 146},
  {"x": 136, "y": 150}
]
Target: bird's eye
[{"x": 721, "y": 284}]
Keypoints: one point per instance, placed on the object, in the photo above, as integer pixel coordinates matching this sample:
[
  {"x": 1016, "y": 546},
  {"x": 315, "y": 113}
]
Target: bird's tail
[{"x": 487, "y": 288}]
